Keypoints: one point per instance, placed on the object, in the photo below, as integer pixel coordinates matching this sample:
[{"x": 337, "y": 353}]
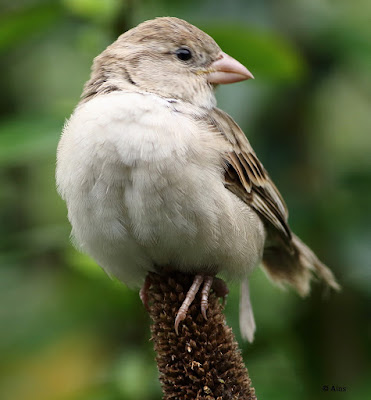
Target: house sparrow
[{"x": 154, "y": 174}]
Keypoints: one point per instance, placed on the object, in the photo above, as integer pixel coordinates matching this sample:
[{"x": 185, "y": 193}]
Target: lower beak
[{"x": 227, "y": 70}]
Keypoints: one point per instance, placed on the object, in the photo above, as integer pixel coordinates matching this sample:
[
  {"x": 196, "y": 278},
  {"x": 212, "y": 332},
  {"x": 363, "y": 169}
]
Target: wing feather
[
  {"x": 247, "y": 178},
  {"x": 286, "y": 258}
]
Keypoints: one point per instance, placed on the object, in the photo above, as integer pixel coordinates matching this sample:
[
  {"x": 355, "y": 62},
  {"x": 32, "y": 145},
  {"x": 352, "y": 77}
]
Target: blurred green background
[{"x": 68, "y": 332}]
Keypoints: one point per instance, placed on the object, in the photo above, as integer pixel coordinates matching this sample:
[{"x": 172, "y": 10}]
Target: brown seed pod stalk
[{"x": 203, "y": 362}]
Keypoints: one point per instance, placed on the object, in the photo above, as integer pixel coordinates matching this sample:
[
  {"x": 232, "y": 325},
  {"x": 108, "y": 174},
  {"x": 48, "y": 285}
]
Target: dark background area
[{"x": 68, "y": 332}]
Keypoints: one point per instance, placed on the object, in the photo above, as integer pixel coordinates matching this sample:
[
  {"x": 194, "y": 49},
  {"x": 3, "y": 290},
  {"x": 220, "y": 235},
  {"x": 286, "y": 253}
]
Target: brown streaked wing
[{"x": 247, "y": 178}]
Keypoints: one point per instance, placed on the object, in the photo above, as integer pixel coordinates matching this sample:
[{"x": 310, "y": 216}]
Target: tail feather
[
  {"x": 296, "y": 267},
  {"x": 247, "y": 321}
]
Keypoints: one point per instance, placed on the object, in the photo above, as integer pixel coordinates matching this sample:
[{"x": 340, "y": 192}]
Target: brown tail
[{"x": 296, "y": 267}]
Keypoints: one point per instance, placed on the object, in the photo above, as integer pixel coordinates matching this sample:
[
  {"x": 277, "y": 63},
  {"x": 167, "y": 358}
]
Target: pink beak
[{"x": 228, "y": 70}]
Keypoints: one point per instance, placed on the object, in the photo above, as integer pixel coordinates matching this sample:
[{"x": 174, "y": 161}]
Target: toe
[
  {"x": 180, "y": 316},
  {"x": 208, "y": 281},
  {"x": 191, "y": 294}
]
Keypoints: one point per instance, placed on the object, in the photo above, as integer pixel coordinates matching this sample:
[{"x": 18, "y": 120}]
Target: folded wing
[{"x": 286, "y": 258}]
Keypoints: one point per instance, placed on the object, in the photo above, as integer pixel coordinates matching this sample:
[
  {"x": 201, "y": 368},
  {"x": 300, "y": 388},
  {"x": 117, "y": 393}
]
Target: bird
[{"x": 155, "y": 175}]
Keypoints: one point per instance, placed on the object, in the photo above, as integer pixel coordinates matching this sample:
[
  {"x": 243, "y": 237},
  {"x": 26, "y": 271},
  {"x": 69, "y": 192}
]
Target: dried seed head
[{"x": 203, "y": 361}]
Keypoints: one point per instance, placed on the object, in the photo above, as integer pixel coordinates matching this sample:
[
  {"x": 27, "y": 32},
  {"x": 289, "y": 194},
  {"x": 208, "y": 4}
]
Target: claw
[
  {"x": 209, "y": 282},
  {"x": 179, "y": 318}
]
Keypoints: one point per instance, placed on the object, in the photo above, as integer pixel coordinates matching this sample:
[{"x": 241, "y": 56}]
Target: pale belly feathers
[{"x": 144, "y": 187}]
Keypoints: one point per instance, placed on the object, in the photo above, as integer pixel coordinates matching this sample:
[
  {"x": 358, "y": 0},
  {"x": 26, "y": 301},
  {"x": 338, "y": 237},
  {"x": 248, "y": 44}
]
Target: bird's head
[{"x": 166, "y": 56}]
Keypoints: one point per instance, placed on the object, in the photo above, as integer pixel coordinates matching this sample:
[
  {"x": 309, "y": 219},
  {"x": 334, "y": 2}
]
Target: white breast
[{"x": 144, "y": 185}]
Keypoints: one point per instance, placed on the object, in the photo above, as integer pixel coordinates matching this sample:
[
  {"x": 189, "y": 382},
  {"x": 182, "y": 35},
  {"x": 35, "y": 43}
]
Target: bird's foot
[{"x": 208, "y": 282}]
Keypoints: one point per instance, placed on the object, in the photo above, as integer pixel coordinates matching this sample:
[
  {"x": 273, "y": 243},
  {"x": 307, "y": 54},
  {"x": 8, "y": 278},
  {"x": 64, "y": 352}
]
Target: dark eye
[{"x": 183, "y": 54}]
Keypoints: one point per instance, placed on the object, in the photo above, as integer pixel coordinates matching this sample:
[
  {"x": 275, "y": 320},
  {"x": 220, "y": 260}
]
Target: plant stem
[{"x": 203, "y": 362}]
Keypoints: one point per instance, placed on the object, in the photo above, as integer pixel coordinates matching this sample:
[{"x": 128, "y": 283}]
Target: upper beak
[{"x": 227, "y": 70}]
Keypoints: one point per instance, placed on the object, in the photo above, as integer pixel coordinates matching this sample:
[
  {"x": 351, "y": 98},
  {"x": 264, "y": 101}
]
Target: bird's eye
[{"x": 183, "y": 54}]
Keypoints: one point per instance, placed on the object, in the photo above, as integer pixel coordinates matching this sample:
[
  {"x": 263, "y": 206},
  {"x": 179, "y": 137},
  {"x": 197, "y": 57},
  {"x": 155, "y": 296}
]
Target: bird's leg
[
  {"x": 143, "y": 293},
  {"x": 191, "y": 294},
  {"x": 208, "y": 281}
]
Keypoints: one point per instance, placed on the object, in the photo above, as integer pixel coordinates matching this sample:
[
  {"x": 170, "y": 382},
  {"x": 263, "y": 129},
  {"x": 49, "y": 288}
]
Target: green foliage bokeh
[{"x": 69, "y": 332}]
